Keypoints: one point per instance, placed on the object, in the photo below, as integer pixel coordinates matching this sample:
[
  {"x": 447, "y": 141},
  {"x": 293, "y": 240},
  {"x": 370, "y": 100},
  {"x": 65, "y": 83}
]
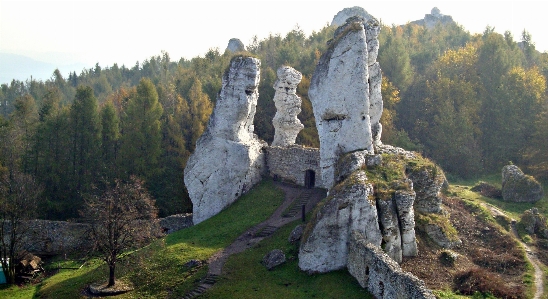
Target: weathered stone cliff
[{"x": 229, "y": 157}]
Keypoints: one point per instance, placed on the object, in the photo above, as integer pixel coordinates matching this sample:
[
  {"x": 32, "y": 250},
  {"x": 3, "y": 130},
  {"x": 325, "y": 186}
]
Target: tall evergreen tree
[{"x": 141, "y": 133}]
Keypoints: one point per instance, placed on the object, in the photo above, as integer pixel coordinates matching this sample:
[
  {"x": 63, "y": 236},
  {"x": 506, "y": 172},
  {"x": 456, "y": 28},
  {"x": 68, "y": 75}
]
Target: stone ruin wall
[
  {"x": 381, "y": 275},
  {"x": 289, "y": 164},
  {"x": 46, "y": 237}
]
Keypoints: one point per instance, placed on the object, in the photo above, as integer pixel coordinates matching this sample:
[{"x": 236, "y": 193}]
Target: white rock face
[
  {"x": 339, "y": 92},
  {"x": 286, "y": 124},
  {"x": 228, "y": 159},
  {"x": 340, "y": 18},
  {"x": 348, "y": 208},
  {"x": 235, "y": 45}
]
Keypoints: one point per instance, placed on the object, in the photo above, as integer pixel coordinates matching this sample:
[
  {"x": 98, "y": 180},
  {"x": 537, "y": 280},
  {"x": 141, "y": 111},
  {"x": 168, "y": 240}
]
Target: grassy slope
[
  {"x": 246, "y": 277},
  {"x": 514, "y": 210},
  {"x": 157, "y": 270}
]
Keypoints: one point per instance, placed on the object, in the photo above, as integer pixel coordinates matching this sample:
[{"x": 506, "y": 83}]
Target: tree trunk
[{"x": 111, "y": 275}]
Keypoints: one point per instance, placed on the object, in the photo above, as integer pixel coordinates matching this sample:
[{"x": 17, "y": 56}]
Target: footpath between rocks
[
  {"x": 293, "y": 194},
  {"x": 529, "y": 253}
]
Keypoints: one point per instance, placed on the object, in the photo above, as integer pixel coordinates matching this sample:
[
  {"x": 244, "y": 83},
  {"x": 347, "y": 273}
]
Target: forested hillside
[{"x": 470, "y": 102}]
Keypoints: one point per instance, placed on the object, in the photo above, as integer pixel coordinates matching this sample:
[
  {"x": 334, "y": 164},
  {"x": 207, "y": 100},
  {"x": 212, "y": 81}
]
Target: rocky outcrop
[
  {"x": 324, "y": 246},
  {"x": 377, "y": 272},
  {"x": 339, "y": 92},
  {"x": 519, "y": 187},
  {"x": 434, "y": 18},
  {"x": 274, "y": 258},
  {"x": 235, "y": 45},
  {"x": 286, "y": 124},
  {"x": 228, "y": 159},
  {"x": 377, "y": 194},
  {"x": 534, "y": 223},
  {"x": 340, "y": 18}
]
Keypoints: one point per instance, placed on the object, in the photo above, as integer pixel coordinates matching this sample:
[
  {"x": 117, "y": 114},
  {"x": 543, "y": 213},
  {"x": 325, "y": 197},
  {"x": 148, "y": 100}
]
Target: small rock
[
  {"x": 296, "y": 234},
  {"x": 274, "y": 258},
  {"x": 235, "y": 45},
  {"x": 192, "y": 264}
]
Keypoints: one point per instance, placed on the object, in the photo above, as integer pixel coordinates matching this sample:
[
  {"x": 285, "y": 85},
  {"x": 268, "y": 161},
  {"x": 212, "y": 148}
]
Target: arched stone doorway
[{"x": 310, "y": 179}]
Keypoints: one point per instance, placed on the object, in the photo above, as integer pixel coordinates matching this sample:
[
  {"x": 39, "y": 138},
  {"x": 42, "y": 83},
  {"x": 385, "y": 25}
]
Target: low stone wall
[
  {"x": 46, "y": 237},
  {"x": 173, "y": 223},
  {"x": 290, "y": 164},
  {"x": 381, "y": 275}
]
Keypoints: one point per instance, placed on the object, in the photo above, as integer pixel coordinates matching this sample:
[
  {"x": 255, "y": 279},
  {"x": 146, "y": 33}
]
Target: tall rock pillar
[
  {"x": 288, "y": 105},
  {"x": 339, "y": 92},
  {"x": 228, "y": 159}
]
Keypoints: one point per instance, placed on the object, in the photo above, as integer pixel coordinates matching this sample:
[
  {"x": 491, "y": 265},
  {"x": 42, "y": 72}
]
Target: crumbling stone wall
[
  {"x": 291, "y": 163},
  {"x": 381, "y": 275},
  {"x": 46, "y": 237}
]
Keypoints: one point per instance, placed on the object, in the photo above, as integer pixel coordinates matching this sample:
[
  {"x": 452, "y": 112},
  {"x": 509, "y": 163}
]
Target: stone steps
[
  {"x": 205, "y": 283},
  {"x": 265, "y": 232},
  {"x": 295, "y": 209}
]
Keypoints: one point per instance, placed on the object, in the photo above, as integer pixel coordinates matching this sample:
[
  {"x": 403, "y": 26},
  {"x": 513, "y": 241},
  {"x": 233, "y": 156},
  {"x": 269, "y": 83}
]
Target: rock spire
[
  {"x": 228, "y": 159},
  {"x": 286, "y": 124}
]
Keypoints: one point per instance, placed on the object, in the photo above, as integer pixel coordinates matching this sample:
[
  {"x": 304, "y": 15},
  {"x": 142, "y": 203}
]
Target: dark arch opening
[{"x": 310, "y": 179}]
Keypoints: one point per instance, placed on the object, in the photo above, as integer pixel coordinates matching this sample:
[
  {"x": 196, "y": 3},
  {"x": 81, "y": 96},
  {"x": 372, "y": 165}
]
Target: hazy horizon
[{"x": 82, "y": 33}]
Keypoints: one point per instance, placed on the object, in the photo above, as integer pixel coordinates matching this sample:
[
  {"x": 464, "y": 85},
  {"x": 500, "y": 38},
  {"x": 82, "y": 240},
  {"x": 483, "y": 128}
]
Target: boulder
[
  {"x": 228, "y": 159},
  {"x": 288, "y": 105},
  {"x": 534, "y": 223},
  {"x": 274, "y": 258},
  {"x": 441, "y": 237},
  {"x": 340, "y": 18},
  {"x": 296, "y": 234},
  {"x": 235, "y": 45},
  {"x": 324, "y": 246},
  {"x": 339, "y": 92},
  {"x": 519, "y": 187}
]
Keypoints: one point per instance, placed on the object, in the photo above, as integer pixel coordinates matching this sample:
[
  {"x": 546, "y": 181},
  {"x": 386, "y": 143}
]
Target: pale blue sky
[{"x": 67, "y": 32}]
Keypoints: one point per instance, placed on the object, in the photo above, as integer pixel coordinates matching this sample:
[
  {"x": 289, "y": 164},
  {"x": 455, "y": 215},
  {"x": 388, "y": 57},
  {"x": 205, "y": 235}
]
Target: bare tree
[
  {"x": 121, "y": 218},
  {"x": 19, "y": 195}
]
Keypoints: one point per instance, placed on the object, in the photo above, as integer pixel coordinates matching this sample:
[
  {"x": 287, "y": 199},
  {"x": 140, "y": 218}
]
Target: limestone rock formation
[
  {"x": 324, "y": 246},
  {"x": 404, "y": 200},
  {"x": 235, "y": 45},
  {"x": 339, "y": 92},
  {"x": 286, "y": 124},
  {"x": 340, "y": 18},
  {"x": 274, "y": 258},
  {"x": 519, "y": 187},
  {"x": 433, "y": 18},
  {"x": 377, "y": 194},
  {"x": 229, "y": 157}
]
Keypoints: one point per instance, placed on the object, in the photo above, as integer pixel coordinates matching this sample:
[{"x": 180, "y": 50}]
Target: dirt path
[
  {"x": 530, "y": 254},
  {"x": 257, "y": 233}
]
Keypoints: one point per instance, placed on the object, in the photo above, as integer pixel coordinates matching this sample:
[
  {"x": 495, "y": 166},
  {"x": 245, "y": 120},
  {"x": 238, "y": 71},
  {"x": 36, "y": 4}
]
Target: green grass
[
  {"x": 246, "y": 277},
  {"x": 16, "y": 292},
  {"x": 157, "y": 270}
]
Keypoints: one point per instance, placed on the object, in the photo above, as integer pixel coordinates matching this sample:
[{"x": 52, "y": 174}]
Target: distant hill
[{"x": 19, "y": 67}]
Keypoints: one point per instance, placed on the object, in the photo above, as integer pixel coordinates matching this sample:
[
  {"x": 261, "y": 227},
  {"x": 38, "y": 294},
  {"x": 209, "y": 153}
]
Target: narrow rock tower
[{"x": 288, "y": 105}]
